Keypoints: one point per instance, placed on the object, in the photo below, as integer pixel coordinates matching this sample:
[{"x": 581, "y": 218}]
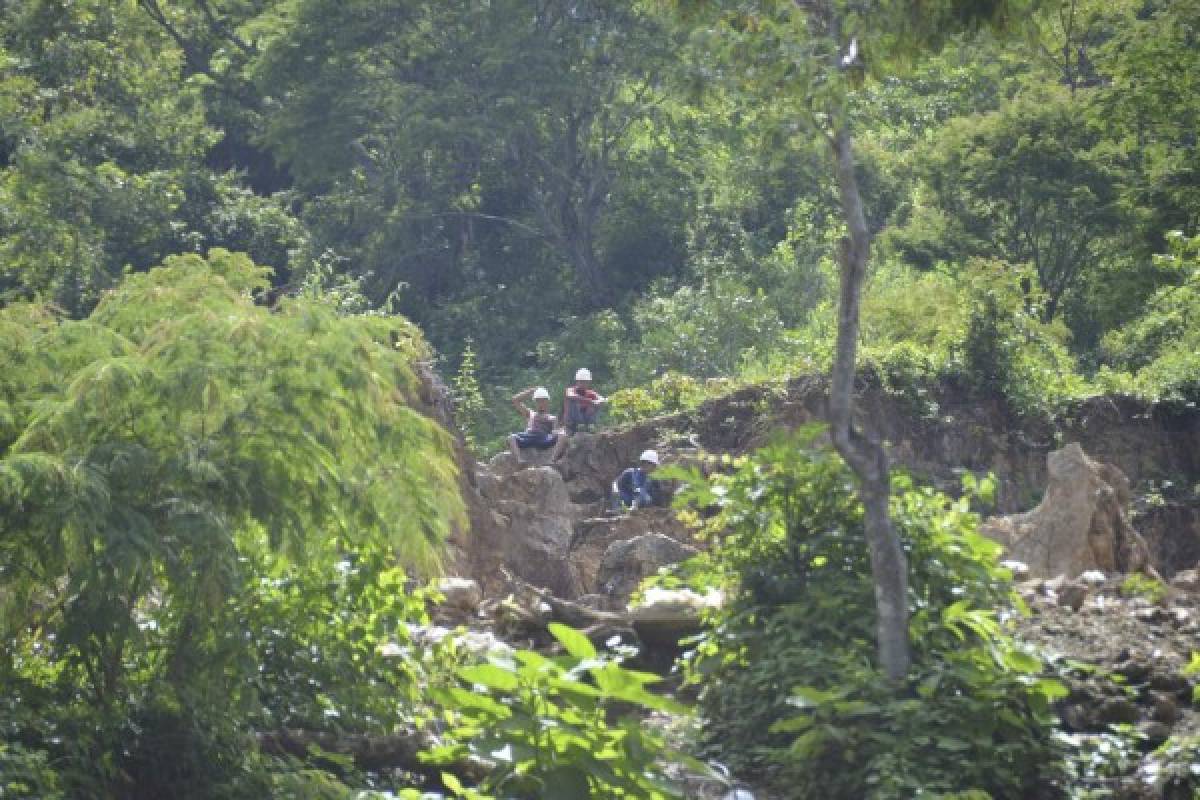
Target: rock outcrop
[
  {"x": 1081, "y": 524},
  {"x": 627, "y": 563},
  {"x": 545, "y": 522},
  {"x": 595, "y": 536},
  {"x": 523, "y": 523}
]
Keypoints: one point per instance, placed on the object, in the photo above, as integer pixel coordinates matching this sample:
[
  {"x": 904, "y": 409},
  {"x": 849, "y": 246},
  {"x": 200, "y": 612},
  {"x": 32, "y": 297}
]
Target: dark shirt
[{"x": 633, "y": 479}]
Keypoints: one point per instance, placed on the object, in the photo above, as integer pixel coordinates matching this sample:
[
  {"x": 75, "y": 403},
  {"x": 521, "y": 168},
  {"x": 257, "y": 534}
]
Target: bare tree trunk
[{"x": 865, "y": 455}]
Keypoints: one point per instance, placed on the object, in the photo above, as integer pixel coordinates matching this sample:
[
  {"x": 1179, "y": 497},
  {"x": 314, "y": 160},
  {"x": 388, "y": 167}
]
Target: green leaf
[
  {"x": 566, "y": 783},
  {"x": 792, "y": 724},
  {"x": 489, "y": 675},
  {"x": 1051, "y": 689},
  {"x": 810, "y": 697},
  {"x": 1020, "y": 661},
  {"x": 574, "y": 642}
]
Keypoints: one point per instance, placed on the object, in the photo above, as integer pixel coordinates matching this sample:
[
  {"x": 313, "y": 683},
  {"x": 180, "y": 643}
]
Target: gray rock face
[
  {"x": 532, "y": 520},
  {"x": 627, "y": 563},
  {"x": 594, "y": 536},
  {"x": 526, "y": 530},
  {"x": 1080, "y": 525},
  {"x": 592, "y": 461}
]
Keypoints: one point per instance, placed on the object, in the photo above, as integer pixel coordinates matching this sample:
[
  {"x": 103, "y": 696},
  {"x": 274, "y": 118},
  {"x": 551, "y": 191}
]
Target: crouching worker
[
  {"x": 539, "y": 428},
  {"x": 634, "y": 488},
  {"x": 581, "y": 402}
]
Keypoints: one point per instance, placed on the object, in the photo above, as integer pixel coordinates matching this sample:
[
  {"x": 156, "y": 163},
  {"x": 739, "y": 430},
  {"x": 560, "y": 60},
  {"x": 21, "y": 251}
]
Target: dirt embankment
[{"x": 1156, "y": 446}]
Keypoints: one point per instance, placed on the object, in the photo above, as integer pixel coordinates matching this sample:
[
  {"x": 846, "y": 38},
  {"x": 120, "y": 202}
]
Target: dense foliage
[
  {"x": 181, "y": 464},
  {"x": 786, "y": 670},
  {"x": 584, "y": 185},
  {"x": 548, "y": 723},
  {"x": 216, "y": 493}
]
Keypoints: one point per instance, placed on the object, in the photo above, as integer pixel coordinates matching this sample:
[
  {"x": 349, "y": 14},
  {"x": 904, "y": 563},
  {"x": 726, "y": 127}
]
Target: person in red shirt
[{"x": 580, "y": 403}]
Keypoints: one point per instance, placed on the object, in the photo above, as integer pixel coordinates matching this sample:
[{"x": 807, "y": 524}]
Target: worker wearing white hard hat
[
  {"x": 540, "y": 425},
  {"x": 581, "y": 402},
  {"x": 634, "y": 487}
]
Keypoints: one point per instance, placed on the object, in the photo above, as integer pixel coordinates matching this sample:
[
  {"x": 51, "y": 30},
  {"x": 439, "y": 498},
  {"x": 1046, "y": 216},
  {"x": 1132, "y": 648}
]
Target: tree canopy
[{"x": 234, "y": 237}]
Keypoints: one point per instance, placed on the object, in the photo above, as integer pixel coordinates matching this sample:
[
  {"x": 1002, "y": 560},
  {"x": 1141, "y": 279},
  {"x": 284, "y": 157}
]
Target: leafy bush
[
  {"x": 1179, "y": 774},
  {"x": 1144, "y": 586},
  {"x": 26, "y": 774},
  {"x": 329, "y": 626},
  {"x": 787, "y": 671},
  {"x": 1155, "y": 356},
  {"x": 468, "y": 399},
  {"x": 1008, "y": 351},
  {"x": 544, "y": 724},
  {"x": 160, "y": 463},
  {"x": 923, "y": 331},
  {"x": 666, "y": 394},
  {"x": 705, "y": 331}
]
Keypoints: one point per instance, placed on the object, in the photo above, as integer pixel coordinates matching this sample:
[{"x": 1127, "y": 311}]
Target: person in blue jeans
[
  {"x": 539, "y": 432},
  {"x": 634, "y": 488}
]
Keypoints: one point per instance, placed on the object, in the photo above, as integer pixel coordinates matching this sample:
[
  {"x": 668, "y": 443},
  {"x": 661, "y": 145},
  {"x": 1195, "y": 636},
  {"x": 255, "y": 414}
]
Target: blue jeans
[
  {"x": 628, "y": 497},
  {"x": 539, "y": 441}
]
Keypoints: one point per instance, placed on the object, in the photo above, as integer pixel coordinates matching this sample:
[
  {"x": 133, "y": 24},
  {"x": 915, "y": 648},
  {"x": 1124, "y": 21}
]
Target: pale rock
[
  {"x": 664, "y": 616},
  {"x": 594, "y": 536},
  {"x": 1080, "y": 525},
  {"x": 1187, "y": 580},
  {"x": 657, "y": 599},
  {"x": 526, "y": 531},
  {"x": 462, "y": 594},
  {"x": 481, "y": 644},
  {"x": 1019, "y": 569}
]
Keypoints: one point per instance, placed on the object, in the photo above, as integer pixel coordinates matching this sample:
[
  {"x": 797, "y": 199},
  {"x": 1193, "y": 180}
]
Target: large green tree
[
  {"x": 815, "y": 55},
  {"x": 467, "y": 142},
  {"x": 151, "y": 450},
  {"x": 103, "y": 156},
  {"x": 1031, "y": 184}
]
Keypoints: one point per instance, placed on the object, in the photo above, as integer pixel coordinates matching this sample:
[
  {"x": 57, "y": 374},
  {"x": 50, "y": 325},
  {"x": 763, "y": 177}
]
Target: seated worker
[
  {"x": 634, "y": 488},
  {"x": 539, "y": 428},
  {"x": 579, "y": 404}
]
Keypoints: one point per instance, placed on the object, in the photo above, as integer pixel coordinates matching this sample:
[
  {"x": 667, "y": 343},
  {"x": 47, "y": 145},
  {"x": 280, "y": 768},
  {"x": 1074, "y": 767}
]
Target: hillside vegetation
[{"x": 235, "y": 235}]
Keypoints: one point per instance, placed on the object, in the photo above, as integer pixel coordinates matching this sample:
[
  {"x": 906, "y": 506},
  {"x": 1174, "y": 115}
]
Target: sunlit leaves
[
  {"x": 181, "y": 423},
  {"x": 545, "y": 725}
]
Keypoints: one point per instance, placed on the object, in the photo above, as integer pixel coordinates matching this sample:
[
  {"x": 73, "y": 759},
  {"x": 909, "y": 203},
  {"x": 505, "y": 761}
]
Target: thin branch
[{"x": 225, "y": 31}]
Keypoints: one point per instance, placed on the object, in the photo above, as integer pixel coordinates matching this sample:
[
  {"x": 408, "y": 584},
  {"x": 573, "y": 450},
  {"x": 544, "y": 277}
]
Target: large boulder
[
  {"x": 1080, "y": 525},
  {"x": 504, "y": 463},
  {"x": 627, "y": 563},
  {"x": 664, "y": 616},
  {"x": 594, "y": 536},
  {"x": 523, "y": 524}
]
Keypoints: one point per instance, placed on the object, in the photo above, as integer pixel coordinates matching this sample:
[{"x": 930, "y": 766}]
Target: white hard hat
[
  {"x": 541, "y": 394},
  {"x": 649, "y": 455},
  {"x": 583, "y": 374}
]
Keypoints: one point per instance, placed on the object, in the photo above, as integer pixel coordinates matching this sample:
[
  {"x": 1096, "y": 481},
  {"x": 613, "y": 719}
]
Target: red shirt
[{"x": 585, "y": 397}]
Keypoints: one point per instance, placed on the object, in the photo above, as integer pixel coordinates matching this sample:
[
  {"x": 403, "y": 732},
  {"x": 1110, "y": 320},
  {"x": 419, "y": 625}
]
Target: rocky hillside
[
  {"x": 545, "y": 524},
  {"x": 1112, "y": 487}
]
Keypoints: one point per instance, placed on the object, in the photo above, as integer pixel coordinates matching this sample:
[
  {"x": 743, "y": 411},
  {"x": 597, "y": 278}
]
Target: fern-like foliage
[{"x": 148, "y": 451}]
